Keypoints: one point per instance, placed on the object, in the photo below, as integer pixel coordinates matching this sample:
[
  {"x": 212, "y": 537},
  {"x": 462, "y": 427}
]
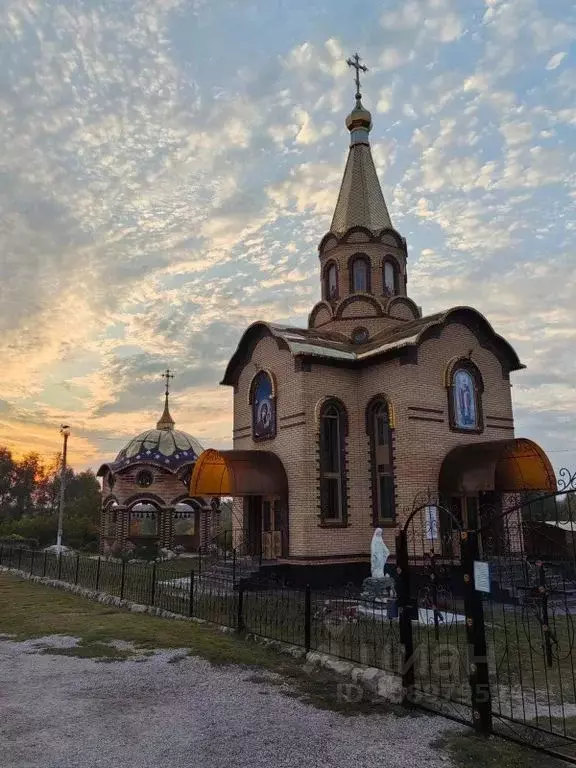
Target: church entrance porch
[
  {"x": 258, "y": 479},
  {"x": 482, "y": 484}
]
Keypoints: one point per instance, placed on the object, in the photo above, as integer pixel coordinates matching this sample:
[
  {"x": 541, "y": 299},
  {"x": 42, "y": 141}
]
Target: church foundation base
[{"x": 321, "y": 575}]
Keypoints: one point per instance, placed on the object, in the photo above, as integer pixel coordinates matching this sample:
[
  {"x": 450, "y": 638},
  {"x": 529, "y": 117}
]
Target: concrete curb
[{"x": 378, "y": 682}]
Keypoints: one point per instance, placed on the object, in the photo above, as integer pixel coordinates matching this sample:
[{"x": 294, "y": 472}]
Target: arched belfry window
[
  {"x": 379, "y": 428},
  {"x": 390, "y": 278},
  {"x": 333, "y": 428},
  {"x": 359, "y": 269},
  {"x": 465, "y": 390},
  {"x": 263, "y": 402},
  {"x": 331, "y": 282},
  {"x": 143, "y": 520}
]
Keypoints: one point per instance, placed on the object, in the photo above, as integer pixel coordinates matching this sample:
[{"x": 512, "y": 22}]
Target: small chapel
[
  {"x": 145, "y": 498},
  {"x": 339, "y": 426}
]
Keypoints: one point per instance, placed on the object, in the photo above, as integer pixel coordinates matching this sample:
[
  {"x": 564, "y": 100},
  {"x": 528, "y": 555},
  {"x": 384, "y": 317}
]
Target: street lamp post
[{"x": 65, "y": 432}]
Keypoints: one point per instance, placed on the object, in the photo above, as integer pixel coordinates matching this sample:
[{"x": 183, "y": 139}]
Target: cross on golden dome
[{"x": 355, "y": 63}]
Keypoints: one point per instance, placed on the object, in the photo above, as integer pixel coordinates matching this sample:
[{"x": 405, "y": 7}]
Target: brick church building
[{"x": 340, "y": 425}]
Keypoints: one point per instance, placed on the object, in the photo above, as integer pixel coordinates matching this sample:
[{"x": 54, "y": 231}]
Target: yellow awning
[
  {"x": 238, "y": 473},
  {"x": 499, "y": 465}
]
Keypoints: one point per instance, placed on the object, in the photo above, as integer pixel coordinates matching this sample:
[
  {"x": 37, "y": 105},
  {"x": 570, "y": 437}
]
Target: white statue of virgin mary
[{"x": 379, "y": 553}]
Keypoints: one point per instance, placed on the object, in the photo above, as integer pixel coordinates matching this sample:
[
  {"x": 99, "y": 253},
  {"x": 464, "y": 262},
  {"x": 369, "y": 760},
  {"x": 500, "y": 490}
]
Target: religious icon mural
[
  {"x": 263, "y": 408},
  {"x": 464, "y": 400}
]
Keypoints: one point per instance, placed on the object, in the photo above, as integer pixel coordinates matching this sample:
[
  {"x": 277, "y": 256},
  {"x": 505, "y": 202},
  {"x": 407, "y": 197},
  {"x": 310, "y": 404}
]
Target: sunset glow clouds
[{"x": 168, "y": 168}]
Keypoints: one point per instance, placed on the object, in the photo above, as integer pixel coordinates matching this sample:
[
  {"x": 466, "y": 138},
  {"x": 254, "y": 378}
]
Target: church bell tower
[{"x": 362, "y": 257}]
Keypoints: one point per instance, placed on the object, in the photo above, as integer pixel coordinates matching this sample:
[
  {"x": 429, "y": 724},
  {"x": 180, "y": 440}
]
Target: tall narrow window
[
  {"x": 390, "y": 279},
  {"x": 360, "y": 276},
  {"x": 332, "y": 283},
  {"x": 333, "y": 463},
  {"x": 359, "y": 271},
  {"x": 381, "y": 462}
]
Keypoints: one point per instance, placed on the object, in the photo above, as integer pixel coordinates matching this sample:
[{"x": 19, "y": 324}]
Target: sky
[{"x": 168, "y": 168}]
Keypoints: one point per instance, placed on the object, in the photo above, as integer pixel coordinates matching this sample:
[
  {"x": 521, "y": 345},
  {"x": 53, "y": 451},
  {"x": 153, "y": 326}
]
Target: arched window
[
  {"x": 381, "y": 462},
  {"x": 143, "y": 520},
  {"x": 331, "y": 282},
  {"x": 465, "y": 397},
  {"x": 263, "y": 407},
  {"x": 333, "y": 425},
  {"x": 390, "y": 278},
  {"x": 359, "y": 267},
  {"x": 186, "y": 517}
]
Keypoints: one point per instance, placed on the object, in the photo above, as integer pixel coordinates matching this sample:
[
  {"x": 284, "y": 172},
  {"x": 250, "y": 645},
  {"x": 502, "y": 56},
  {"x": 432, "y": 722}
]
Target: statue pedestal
[{"x": 379, "y": 596}]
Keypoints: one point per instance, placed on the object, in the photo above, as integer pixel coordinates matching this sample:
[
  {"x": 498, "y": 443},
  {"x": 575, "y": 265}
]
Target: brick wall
[
  {"x": 164, "y": 491},
  {"x": 422, "y": 438}
]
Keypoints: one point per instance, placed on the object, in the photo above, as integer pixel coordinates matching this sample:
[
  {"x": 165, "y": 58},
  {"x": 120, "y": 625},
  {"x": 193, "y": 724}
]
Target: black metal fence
[
  {"x": 487, "y": 615},
  {"x": 486, "y": 628},
  {"x": 343, "y": 625}
]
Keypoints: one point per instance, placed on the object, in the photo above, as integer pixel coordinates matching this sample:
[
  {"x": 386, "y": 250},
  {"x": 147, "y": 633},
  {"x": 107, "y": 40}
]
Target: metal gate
[{"x": 488, "y": 615}]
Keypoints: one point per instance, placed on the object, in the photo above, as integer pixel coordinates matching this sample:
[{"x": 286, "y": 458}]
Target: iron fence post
[
  {"x": 191, "y": 604},
  {"x": 153, "y": 590},
  {"x": 200, "y": 559},
  {"x": 404, "y": 613},
  {"x": 19, "y": 557},
  {"x": 31, "y": 562},
  {"x": 59, "y": 565},
  {"x": 233, "y": 567},
  {"x": 434, "y": 596},
  {"x": 77, "y": 569},
  {"x": 240, "y": 610},
  {"x": 122, "y": 578},
  {"x": 307, "y": 618},
  {"x": 1, "y": 552},
  {"x": 225, "y": 548},
  {"x": 545, "y": 616},
  {"x": 478, "y": 673},
  {"x": 98, "y": 574},
  {"x": 45, "y": 563}
]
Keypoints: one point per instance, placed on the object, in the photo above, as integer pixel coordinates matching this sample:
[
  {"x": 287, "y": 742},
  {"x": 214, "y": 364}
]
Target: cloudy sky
[{"x": 168, "y": 167}]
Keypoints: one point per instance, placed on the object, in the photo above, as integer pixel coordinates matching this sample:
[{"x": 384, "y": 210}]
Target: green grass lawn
[{"x": 30, "y": 610}]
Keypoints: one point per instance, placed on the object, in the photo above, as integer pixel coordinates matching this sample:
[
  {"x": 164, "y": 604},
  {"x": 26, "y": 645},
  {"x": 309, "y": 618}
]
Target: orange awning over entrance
[
  {"x": 499, "y": 465},
  {"x": 238, "y": 473}
]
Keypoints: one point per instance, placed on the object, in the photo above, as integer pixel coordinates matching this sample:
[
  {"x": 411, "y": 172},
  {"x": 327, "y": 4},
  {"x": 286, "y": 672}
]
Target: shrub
[{"x": 146, "y": 551}]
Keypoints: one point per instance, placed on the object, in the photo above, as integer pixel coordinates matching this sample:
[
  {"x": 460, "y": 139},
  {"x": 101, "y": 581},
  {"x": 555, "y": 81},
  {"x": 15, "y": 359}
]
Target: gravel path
[{"x": 57, "y": 711}]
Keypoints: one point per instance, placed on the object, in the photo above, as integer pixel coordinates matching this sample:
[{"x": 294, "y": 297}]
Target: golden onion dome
[{"x": 359, "y": 118}]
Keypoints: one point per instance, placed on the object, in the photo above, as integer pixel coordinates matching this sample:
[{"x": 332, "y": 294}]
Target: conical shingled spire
[{"x": 360, "y": 201}]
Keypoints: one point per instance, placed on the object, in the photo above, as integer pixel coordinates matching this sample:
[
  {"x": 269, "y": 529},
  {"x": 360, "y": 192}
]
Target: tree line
[{"x": 29, "y": 500}]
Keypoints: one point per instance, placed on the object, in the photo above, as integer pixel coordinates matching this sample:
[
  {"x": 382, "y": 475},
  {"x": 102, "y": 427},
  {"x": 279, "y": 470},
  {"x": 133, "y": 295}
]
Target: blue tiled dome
[{"x": 169, "y": 448}]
